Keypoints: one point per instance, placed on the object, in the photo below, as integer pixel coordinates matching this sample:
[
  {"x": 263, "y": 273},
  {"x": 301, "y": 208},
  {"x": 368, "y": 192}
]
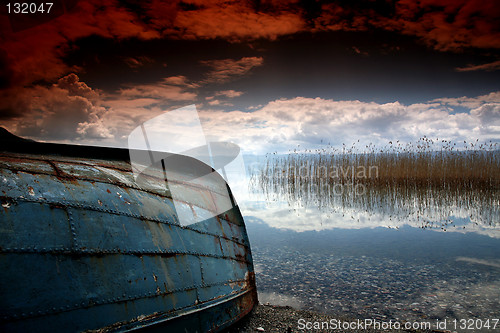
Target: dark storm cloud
[
  {"x": 442, "y": 24},
  {"x": 36, "y": 53}
]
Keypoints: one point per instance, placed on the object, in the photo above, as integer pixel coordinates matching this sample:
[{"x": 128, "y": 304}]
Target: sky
[{"x": 266, "y": 75}]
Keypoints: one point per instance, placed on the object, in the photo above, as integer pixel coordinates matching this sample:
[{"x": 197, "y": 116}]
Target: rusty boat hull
[{"x": 84, "y": 248}]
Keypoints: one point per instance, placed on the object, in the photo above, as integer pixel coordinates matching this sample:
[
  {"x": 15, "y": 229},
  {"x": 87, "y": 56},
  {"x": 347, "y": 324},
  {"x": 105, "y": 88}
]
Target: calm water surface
[{"x": 402, "y": 254}]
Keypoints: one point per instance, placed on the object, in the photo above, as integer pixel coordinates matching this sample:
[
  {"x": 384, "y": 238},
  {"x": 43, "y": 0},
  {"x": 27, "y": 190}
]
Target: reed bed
[{"x": 429, "y": 180}]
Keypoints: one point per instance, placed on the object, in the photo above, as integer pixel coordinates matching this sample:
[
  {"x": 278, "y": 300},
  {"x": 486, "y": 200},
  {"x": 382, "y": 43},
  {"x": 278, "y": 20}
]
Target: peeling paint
[{"x": 31, "y": 191}]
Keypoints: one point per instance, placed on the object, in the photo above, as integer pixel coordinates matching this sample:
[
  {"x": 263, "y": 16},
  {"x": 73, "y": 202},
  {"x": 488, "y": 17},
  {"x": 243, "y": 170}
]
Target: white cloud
[
  {"x": 470, "y": 102},
  {"x": 71, "y": 110},
  {"x": 283, "y": 124}
]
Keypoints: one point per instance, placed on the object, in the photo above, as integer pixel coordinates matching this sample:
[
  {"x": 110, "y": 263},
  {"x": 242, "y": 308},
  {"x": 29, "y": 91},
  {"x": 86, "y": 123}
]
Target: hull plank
[{"x": 83, "y": 247}]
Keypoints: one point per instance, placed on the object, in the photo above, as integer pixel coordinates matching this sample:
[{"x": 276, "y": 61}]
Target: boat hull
[{"x": 83, "y": 247}]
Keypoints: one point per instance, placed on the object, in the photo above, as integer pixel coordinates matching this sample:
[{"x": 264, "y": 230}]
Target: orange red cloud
[
  {"x": 35, "y": 53},
  {"x": 448, "y": 24},
  {"x": 226, "y": 69}
]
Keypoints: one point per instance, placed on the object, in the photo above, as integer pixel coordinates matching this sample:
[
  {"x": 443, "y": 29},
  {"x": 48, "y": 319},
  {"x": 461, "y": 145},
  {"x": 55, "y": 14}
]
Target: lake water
[{"x": 406, "y": 255}]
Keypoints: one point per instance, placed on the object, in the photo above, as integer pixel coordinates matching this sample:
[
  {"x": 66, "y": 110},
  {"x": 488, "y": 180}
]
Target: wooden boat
[{"x": 86, "y": 247}]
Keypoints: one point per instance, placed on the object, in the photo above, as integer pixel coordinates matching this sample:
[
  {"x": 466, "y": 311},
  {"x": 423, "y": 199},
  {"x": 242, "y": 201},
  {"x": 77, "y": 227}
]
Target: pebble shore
[{"x": 284, "y": 319}]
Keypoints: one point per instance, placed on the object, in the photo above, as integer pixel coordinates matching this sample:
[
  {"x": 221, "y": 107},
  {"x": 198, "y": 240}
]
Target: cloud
[
  {"x": 169, "y": 89},
  {"x": 72, "y": 84},
  {"x": 449, "y": 24},
  {"x": 14, "y": 102},
  {"x": 68, "y": 109},
  {"x": 224, "y": 95},
  {"x": 71, "y": 111},
  {"x": 179, "y": 80},
  {"x": 54, "y": 39},
  {"x": 285, "y": 123},
  {"x": 131, "y": 106},
  {"x": 491, "y": 66},
  {"x": 444, "y": 24},
  {"x": 470, "y": 102},
  {"x": 235, "y": 20},
  {"x": 227, "y": 69},
  {"x": 489, "y": 118},
  {"x": 137, "y": 62},
  {"x": 229, "y": 93},
  {"x": 37, "y": 53}
]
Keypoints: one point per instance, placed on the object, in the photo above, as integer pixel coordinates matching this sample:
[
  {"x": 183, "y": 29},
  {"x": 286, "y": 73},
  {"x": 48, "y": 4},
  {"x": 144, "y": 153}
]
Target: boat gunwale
[{"x": 68, "y": 176}]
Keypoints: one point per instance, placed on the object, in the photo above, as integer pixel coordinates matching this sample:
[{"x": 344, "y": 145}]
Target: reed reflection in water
[{"x": 429, "y": 183}]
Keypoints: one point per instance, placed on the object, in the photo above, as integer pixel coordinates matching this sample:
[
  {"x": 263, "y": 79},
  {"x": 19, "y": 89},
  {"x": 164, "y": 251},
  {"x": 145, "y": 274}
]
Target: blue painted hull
[{"x": 82, "y": 247}]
